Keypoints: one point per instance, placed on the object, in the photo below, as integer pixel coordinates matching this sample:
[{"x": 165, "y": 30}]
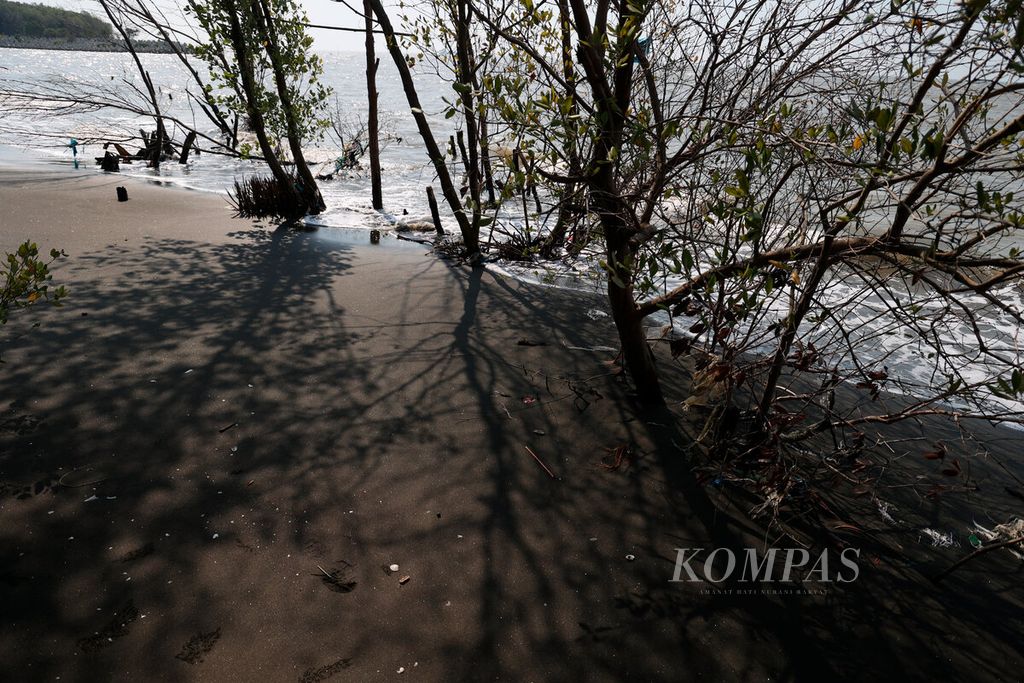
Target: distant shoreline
[{"x": 80, "y": 45}]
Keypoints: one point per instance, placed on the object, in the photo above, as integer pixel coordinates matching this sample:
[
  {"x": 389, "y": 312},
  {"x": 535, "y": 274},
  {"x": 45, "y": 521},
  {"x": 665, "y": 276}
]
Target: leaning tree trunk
[
  {"x": 208, "y": 105},
  {"x": 259, "y": 126},
  {"x": 147, "y": 81},
  {"x": 636, "y": 352},
  {"x": 614, "y": 212},
  {"x": 471, "y": 241},
  {"x": 314, "y": 202}
]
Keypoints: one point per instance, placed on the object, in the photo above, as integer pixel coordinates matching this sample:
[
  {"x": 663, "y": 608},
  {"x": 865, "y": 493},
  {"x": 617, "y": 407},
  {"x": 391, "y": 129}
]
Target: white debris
[
  {"x": 940, "y": 539},
  {"x": 1004, "y": 532},
  {"x": 884, "y": 509},
  {"x": 393, "y": 567}
]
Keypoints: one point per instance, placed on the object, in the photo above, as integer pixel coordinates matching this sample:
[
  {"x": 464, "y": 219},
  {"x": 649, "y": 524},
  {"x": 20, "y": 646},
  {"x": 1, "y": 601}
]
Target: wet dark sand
[{"x": 252, "y": 408}]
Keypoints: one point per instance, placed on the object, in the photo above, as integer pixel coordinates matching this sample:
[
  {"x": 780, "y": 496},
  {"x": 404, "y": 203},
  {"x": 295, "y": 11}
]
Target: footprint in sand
[
  {"x": 198, "y": 646},
  {"x": 324, "y": 672},
  {"x": 116, "y": 628}
]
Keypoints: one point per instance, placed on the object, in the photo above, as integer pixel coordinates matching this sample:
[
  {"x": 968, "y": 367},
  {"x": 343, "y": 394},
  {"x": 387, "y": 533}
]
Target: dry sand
[{"x": 224, "y": 412}]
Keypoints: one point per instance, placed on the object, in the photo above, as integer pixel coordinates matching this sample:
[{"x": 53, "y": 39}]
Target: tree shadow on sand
[{"x": 246, "y": 419}]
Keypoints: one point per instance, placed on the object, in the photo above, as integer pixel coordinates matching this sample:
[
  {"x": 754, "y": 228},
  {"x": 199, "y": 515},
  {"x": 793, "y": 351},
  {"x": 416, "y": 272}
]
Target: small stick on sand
[
  {"x": 540, "y": 462},
  {"x": 60, "y": 481}
]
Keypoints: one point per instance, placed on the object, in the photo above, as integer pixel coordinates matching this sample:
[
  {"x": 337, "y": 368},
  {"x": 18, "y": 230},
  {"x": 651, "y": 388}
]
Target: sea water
[
  {"x": 111, "y": 76},
  {"x": 406, "y": 172}
]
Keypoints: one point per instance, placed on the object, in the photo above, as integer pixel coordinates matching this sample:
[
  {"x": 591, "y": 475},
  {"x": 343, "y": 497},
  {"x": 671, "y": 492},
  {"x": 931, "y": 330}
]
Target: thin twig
[
  {"x": 60, "y": 481},
  {"x": 540, "y": 462},
  {"x": 976, "y": 553}
]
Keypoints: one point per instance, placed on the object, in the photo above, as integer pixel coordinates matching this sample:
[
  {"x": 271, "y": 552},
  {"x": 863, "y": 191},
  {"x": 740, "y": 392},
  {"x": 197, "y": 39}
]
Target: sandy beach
[{"x": 213, "y": 454}]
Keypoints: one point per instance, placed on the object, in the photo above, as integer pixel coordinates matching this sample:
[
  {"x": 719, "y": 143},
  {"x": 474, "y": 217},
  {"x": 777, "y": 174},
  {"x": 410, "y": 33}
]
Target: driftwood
[
  {"x": 110, "y": 162},
  {"x": 123, "y": 156},
  {"x": 413, "y": 239}
]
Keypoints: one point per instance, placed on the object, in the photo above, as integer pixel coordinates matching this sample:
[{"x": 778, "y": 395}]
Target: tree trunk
[
  {"x": 309, "y": 190},
  {"x": 615, "y": 213},
  {"x": 434, "y": 213},
  {"x": 208, "y": 105},
  {"x": 485, "y": 159},
  {"x": 461, "y": 140},
  {"x": 159, "y": 140},
  {"x": 465, "y": 76},
  {"x": 371, "y": 105},
  {"x": 451, "y": 196},
  {"x": 567, "y": 202},
  {"x": 186, "y": 148},
  {"x": 810, "y": 288},
  {"x": 241, "y": 50},
  {"x": 636, "y": 352},
  {"x": 147, "y": 81}
]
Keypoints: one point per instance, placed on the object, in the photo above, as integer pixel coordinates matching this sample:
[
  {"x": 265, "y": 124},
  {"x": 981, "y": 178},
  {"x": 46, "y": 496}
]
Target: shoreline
[
  {"x": 18, "y": 159},
  {"x": 62, "y": 45},
  {"x": 532, "y": 274}
]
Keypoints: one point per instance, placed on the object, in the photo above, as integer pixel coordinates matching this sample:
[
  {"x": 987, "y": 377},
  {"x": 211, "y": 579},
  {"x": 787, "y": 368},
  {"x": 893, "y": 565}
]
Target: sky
[{"x": 320, "y": 12}]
